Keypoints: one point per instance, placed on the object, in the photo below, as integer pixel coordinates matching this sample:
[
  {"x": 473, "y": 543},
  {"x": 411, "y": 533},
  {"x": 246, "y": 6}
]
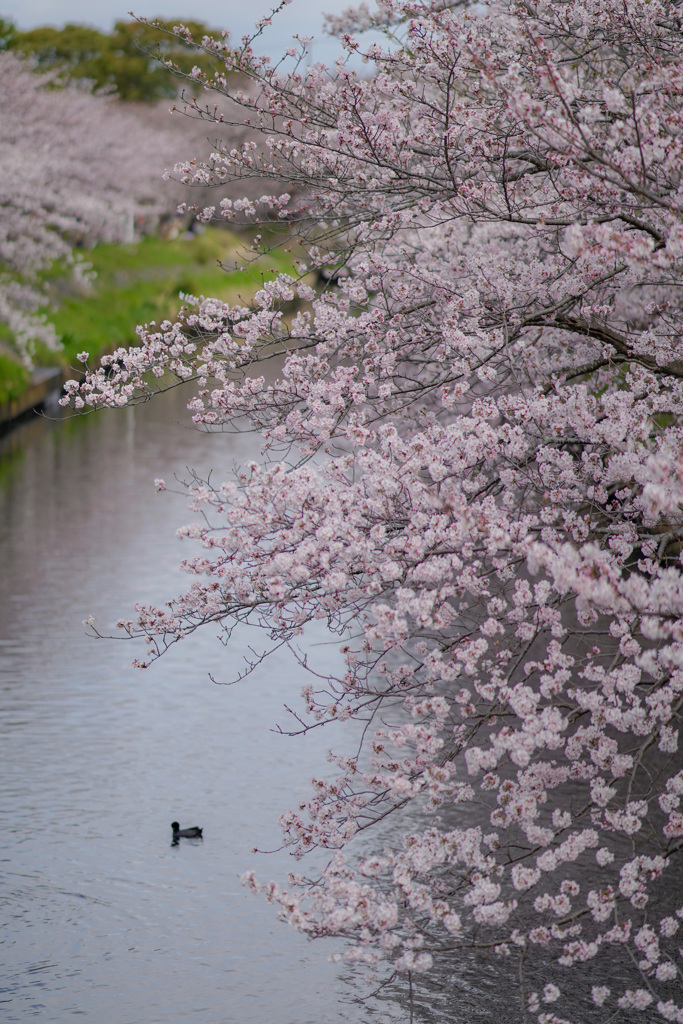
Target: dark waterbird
[{"x": 186, "y": 833}]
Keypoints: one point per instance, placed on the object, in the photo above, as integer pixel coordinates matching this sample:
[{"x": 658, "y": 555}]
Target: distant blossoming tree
[
  {"x": 75, "y": 169},
  {"x": 473, "y": 473}
]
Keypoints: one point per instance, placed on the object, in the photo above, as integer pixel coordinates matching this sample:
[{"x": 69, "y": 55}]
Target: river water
[{"x": 104, "y": 919}]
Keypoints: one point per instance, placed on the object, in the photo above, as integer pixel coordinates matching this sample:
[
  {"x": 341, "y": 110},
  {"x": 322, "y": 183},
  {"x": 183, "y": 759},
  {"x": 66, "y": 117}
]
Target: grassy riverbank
[{"x": 133, "y": 284}]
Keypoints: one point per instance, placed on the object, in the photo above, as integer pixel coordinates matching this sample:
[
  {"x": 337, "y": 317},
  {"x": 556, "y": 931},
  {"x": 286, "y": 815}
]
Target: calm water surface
[{"x": 104, "y": 919}]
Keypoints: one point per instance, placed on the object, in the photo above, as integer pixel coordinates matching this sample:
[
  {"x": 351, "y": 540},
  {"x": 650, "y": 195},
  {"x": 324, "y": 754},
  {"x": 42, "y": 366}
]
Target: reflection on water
[{"x": 105, "y": 918}]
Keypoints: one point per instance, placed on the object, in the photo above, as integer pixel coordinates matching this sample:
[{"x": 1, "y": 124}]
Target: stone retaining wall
[{"x": 43, "y": 382}]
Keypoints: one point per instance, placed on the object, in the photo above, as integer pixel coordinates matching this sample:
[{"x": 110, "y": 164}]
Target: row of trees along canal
[{"x": 87, "y": 137}]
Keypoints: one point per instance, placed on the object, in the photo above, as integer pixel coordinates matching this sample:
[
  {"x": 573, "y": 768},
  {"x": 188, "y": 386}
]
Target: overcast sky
[{"x": 238, "y": 16}]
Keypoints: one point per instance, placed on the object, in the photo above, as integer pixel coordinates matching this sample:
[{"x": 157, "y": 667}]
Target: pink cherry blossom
[{"x": 472, "y": 473}]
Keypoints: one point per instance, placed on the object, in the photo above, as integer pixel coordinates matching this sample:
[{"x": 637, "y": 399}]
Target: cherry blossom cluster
[{"x": 472, "y": 472}]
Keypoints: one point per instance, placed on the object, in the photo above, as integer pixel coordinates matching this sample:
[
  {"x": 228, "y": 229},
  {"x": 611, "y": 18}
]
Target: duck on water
[{"x": 185, "y": 833}]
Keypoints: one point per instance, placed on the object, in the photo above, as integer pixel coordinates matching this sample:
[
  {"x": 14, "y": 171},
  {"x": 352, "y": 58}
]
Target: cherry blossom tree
[
  {"x": 77, "y": 169},
  {"x": 472, "y": 472}
]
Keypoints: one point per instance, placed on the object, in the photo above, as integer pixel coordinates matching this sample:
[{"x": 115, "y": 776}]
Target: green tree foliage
[
  {"x": 8, "y": 34},
  {"x": 125, "y": 61}
]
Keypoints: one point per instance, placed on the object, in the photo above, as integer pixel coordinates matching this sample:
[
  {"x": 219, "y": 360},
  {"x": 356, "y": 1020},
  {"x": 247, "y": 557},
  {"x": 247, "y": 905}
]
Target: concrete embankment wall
[{"x": 44, "y": 382}]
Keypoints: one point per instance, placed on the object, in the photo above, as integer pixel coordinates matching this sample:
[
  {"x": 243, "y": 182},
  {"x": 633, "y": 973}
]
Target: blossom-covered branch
[{"x": 474, "y": 474}]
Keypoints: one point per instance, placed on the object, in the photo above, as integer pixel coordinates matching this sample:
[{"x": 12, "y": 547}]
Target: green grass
[
  {"x": 14, "y": 378},
  {"x": 138, "y": 283},
  {"x": 135, "y": 284}
]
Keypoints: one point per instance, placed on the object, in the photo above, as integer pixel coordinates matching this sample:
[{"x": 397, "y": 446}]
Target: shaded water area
[{"x": 103, "y": 918}]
